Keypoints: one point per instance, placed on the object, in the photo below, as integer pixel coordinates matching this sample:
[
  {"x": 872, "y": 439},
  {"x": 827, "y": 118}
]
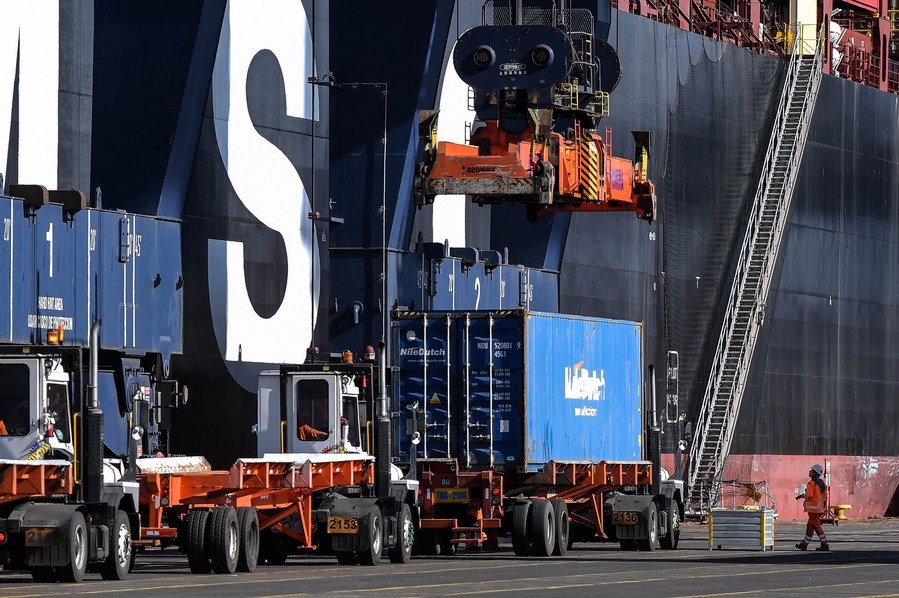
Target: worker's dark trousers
[{"x": 814, "y": 527}]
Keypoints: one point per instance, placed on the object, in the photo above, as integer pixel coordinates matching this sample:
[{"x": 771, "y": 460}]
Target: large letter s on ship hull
[{"x": 265, "y": 181}]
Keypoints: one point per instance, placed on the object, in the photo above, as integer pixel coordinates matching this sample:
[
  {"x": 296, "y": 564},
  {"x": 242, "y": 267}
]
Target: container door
[
  {"x": 424, "y": 357},
  {"x": 491, "y": 378}
]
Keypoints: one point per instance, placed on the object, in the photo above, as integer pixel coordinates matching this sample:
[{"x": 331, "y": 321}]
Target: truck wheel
[
  {"x": 672, "y": 536},
  {"x": 521, "y": 544},
  {"x": 402, "y": 551},
  {"x": 651, "y": 542},
  {"x": 197, "y": 558},
  {"x": 76, "y": 546},
  {"x": 248, "y": 524},
  {"x": 371, "y": 555},
  {"x": 543, "y": 528},
  {"x": 43, "y": 574},
  {"x": 118, "y": 563},
  {"x": 628, "y": 545},
  {"x": 224, "y": 540},
  {"x": 560, "y": 514}
]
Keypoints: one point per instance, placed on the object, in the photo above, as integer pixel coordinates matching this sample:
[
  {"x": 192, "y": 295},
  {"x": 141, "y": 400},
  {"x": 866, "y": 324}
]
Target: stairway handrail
[{"x": 748, "y": 249}]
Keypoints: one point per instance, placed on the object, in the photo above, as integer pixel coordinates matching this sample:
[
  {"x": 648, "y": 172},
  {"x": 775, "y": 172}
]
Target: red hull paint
[{"x": 866, "y": 483}]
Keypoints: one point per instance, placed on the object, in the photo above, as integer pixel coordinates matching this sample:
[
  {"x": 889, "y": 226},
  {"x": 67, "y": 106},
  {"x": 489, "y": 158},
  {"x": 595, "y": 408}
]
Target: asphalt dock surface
[{"x": 864, "y": 561}]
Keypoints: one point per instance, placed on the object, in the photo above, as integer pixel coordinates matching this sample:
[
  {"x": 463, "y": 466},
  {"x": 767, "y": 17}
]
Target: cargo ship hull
[{"x": 299, "y": 228}]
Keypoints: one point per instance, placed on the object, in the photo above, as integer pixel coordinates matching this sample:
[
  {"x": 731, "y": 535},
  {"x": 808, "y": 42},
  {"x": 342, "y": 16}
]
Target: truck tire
[
  {"x": 248, "y": 524},
  {"x": 651, "y": 542},
  {"x": 402, "y": 550},
  {"x": 76, "y": 544},
  {"x": 371, "y": 555},
  {"x": 521, "y": 544},
  {"x": 543, "y": 528},
  {"x": 118, "y": 563},
  {"x": 224, "y": 540},
  {"x": 197, "y": 557},
  {"x": 672, "y": 519},
  {"x": 560, "y": 513}
]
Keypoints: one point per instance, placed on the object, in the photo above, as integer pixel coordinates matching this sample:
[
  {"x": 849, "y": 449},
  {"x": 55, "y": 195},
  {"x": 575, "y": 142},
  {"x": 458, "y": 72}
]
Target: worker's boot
[
  {"x": 825, "y": 547},
  {"x": 802, "y": 546}
]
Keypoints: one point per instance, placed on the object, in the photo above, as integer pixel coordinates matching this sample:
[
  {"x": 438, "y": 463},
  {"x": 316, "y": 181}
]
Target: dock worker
[
  {"x": 312, "y": 414},
  {"x": 815, "y": 496}
]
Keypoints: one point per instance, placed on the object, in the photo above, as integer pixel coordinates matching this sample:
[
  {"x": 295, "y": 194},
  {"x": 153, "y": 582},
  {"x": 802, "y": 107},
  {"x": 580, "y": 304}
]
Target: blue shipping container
[
  {"x": 68, "y": 270},
  {"x": 513, "y": 390}
]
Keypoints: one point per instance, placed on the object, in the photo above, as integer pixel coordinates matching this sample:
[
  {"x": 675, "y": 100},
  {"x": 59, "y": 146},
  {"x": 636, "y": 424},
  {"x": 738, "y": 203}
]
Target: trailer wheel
[
  {"x": 560, "y": 514},
  {"x": 118, "y": 563},
  {"x": 402, "y": 551},
  {"x": 543, "y": 528},
  {"x": 521, "y": 544},
  {"x": 76, "y": 546},
  {"x": 43, "y": 574},
  {"x": 371, "y": 555},
  {"x": 651, "y": 542},
  {"x": 197, "y": 558},
  {"x": 224, "y": 541},
  {"x": 248, "y": 524},
  {"x": 672, "y": 517}
]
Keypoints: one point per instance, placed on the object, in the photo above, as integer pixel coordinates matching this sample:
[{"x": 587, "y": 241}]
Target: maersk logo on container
[
  {"x": 584, "y": 385},
  {"x": 420, "y": 351}
]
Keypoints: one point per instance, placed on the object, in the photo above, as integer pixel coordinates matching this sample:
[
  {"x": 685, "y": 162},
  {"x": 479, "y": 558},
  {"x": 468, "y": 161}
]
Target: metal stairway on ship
[{"x": 758, "y": 257}]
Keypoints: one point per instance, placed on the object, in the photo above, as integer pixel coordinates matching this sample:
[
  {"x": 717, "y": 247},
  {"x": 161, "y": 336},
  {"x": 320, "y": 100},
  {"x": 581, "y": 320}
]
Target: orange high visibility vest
[{"x": 814, "y": 498}]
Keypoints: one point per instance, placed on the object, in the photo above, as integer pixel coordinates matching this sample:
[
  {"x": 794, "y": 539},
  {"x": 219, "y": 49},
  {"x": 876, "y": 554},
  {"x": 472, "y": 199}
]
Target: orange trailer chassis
[
  {"x": 276, "y": 488},
  {"x": 467, "y": 507},
  {"x": 34, "y": 479}
]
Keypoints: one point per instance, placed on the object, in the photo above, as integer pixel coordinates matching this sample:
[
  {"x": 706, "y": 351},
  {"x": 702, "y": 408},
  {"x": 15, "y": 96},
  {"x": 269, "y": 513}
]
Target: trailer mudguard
[
  {"x": 629, "y": 503},
  {"x": 48, "y": 520},
  {"x": 340, "y": 506}
]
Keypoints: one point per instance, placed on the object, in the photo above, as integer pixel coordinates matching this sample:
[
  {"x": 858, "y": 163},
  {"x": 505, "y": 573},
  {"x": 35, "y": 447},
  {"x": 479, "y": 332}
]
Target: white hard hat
[{"x": 818, "y": 469}]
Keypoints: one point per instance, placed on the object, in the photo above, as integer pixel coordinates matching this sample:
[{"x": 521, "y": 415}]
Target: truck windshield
[
  {"x": 58, "y": 399},
  {"x": 313, "y": 410},
  {"x": 14, "y": 393}
]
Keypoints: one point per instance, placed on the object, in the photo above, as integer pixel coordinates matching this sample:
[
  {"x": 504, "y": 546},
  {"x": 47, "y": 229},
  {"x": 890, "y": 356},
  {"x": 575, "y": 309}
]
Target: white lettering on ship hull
[{"x": 265, "y": 181}]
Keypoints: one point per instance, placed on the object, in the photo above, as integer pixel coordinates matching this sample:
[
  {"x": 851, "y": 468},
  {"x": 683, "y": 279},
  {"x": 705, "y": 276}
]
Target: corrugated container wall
[{"x": 514, "y": 390}]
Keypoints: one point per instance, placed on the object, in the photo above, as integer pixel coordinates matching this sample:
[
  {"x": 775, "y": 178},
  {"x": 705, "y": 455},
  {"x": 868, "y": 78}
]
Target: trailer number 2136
[{"x": 625, "y": 518}]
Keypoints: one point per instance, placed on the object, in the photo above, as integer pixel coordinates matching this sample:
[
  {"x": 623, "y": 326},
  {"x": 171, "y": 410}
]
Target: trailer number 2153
[{"x": 343, "y": 525}]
